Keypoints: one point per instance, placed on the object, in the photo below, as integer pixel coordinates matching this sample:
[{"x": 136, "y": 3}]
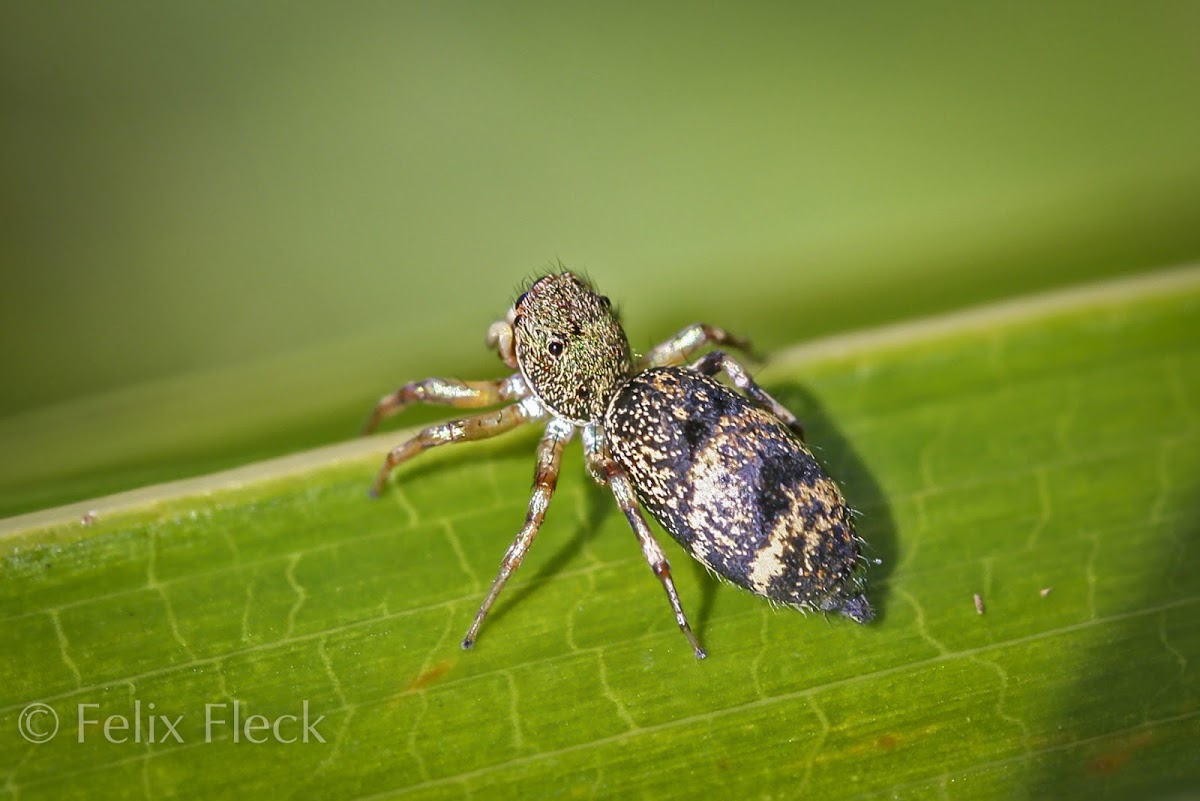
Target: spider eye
[
  {"x": 555, "y": 347},
  {"x": 605, "y": 302}
]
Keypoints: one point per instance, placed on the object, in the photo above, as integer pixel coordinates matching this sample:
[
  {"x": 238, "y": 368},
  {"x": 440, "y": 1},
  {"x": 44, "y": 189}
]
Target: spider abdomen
[{"x": 735, "y": 487}]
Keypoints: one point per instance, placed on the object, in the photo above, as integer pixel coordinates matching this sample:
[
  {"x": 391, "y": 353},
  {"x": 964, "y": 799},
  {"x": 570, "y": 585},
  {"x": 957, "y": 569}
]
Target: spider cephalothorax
[{"x": 570, "y": 347}]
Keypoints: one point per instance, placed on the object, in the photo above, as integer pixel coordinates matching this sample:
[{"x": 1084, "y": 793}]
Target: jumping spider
[{"x": 726, "y": 474}]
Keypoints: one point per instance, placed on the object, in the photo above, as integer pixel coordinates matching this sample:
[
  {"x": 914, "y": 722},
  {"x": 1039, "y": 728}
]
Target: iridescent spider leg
[
  {"x": 448, "y": 392},
  {"x": 467, "y": 429},
  {"x": 680, "y": 347},
  {"x": 601, "y": 465},
  {"x": 719, "y": 361},
  {"x": 545, "y": 478}
]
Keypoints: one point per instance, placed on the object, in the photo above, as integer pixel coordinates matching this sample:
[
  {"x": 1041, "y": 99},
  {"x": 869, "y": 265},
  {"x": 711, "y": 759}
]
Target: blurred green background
[{"x": 228, "y": 227}]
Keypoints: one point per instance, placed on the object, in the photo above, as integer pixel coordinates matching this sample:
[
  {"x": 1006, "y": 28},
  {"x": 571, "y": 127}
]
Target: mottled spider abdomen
[{"x": 736, "y": 488}]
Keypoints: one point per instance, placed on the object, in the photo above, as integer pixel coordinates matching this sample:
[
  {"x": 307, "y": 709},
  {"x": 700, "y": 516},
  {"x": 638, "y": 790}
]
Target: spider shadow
[
  {"x": 873, "y": 517},
  {"x": 598, "y": 505}
]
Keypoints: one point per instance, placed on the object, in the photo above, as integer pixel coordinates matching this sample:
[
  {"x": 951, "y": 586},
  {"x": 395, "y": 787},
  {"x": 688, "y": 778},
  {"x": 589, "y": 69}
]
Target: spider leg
[
  {"x": 601, "y": 464},
  {"x": 467, "y": 429},
  {"x": 719, "y": 361},
  {"x": 448, "y": 392},
  {"x": 680, "y": 347},
  {"x": 545, "y": 478}
]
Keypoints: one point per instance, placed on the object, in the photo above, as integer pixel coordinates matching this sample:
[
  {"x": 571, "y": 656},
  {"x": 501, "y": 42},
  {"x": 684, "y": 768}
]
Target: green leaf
[
  {"x": 1043, "y": 454},
  {"x": 269, "y": 223}
]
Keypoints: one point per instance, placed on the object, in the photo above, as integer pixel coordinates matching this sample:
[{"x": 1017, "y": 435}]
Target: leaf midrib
[{"x": 896, "y": 336}]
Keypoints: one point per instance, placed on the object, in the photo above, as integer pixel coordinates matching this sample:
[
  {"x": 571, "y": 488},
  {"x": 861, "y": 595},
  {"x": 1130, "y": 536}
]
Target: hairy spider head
[{"x": 568, "y": 343}]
